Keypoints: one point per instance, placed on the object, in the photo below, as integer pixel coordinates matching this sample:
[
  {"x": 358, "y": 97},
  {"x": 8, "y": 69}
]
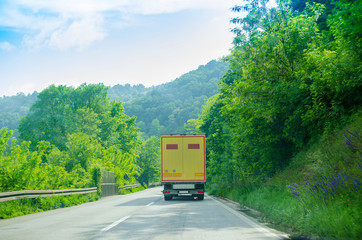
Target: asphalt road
[{"x": 141, "y": 215}]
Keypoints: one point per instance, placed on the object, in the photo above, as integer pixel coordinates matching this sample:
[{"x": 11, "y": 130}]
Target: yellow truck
[{"x": 183, "y": 165}]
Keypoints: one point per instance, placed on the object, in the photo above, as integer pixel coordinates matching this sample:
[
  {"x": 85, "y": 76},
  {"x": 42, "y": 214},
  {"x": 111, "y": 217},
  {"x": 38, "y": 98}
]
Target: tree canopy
[
  {"x": 67, "y": 137},
  {"x": 62, "y": 110},
  {"x": 167, "y": 107},
  {"x": 292, "y": 77}
]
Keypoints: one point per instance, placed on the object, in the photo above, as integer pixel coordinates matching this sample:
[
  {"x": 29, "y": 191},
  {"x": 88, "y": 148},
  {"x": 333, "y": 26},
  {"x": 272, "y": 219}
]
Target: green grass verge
[
  {"x": 336, "y": 219},
  {"x": 319, "y": 194},
  {"x": 131, "y": 190},
  {"x": 25, "y": 206}
]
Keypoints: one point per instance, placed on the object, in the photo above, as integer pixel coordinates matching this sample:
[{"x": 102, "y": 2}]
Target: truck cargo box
[{"x": 183, "y": 158}]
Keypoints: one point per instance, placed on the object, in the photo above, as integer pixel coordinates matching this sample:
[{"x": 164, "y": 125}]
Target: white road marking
[
  {"x": 115, "y": 224},
  {"x": 150, "y": 204}
]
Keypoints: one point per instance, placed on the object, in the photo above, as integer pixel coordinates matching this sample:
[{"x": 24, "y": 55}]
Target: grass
[
  {"x": 131, "y": 190},
  {"x": 319, "y": 194},
  {"x": 25, "y": 206},
  {"x": 332, "y": 220}
]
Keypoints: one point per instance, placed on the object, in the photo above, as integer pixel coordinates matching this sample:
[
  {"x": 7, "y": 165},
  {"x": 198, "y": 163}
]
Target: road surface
[{"x": 141, "y": 215}]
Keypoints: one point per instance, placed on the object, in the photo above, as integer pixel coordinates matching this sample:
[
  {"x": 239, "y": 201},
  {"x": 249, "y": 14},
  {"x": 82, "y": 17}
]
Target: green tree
[
  {"x": 149, "y": 161},
  {"x": 156, "y": 128},
  {"x": 23, "y": 169},
  {"x": 290, "y": 78},
  {"x": 86, "y": 121},
  {"x": 48, "y": 117},
  {"x": 220, "y": 163},
  {"x": 121, "y": 163},
  {"x": 63, "y": 110},
  {"x": 82, "y": 150}
]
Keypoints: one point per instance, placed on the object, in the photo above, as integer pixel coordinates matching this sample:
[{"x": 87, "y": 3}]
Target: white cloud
[
  {"x": 170, "y": 6},
  {"x": 6, "y": 46},
  {"x": 77, "y": 24},
  {"x": 80, "y": 33}
]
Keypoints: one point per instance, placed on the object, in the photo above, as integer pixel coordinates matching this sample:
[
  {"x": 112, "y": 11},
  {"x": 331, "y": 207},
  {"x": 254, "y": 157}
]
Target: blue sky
[{"x": 44, "y": 42}]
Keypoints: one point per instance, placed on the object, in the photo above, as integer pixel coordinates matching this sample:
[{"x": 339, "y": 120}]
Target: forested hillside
[
  {"x": 167, "y": 107},
  {"x": 67, "y": 135},
  {"x": 162, "y": 108},
  {"x": 126, "y": 93},
  {"x": 273, "y": 132},
  {"x": 13, "y": 108},
  {"x": 66, "y": 139}
]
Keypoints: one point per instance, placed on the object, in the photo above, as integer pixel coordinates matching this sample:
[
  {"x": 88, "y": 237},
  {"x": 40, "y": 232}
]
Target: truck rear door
[{"x": 183, "y": 158}]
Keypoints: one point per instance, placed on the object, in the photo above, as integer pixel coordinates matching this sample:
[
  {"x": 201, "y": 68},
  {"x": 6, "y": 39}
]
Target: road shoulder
[{"x": 253, "y": 215}]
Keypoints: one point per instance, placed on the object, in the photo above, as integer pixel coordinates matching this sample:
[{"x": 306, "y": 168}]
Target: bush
[{"x": 21, "y": 207}]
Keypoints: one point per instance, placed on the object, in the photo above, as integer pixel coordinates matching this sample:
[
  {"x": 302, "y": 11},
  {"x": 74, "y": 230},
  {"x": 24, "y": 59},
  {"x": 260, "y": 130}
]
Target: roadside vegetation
[
  {"x": 131, "y": 190},
  {"x": 318, "y": 194},
  {"x": 25, "y": 206},
  {"x": 159, "y": 109},
  {"x": 69, "y": 136},
  {"x": 284, "y": 133},
  {"x": 63, "y": 137}
]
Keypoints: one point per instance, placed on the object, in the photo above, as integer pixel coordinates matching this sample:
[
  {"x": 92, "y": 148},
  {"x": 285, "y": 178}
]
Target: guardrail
[
  {"x": 154, "y": 184},
  {"x": 138, "y": 185},
  {"x": 130, "y": 186},
  {"x": 7, "y": 196}
]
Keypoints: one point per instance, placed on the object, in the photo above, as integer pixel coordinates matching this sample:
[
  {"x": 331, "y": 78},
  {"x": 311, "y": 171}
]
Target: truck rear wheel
[{"x": 168, "y": 198}]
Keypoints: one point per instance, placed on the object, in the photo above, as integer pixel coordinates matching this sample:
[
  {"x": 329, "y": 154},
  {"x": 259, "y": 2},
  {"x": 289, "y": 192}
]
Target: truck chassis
[{"x": 171, "y": 190}]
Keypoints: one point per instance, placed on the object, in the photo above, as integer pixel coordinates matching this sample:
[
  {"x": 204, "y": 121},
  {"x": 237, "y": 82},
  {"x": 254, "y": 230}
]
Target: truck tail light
[
  {"x": 201, "y": 191},
  {"x": 166, "y": 191}
]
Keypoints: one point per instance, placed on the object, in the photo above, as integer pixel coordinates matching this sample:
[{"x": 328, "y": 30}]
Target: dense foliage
[
  {"x": 67, "y": 139},
  {"x": 291, "y": 82},
  {"x": 319, "y": 193},
  {"x": 167, "y": 107},
  {"x": 32, "y": 205},
  {"x": 295, "y": 74},
  {"x": 13, "y": 108},
  {"x": 149, "y": 161},
  {"x": 288, "y": 82},
  {"x": 126, "y": 93},
  {"x": 62, "y": 110},
  {"x": 159, "y": 109},
  {"x": 68, "y": 136}
]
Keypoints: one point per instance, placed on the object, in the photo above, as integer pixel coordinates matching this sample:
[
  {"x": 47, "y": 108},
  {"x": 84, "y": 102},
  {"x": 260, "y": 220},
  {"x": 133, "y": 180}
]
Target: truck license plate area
[
  {"x": 184, "y": 186},
  {"x": 183, "y": 192}
]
